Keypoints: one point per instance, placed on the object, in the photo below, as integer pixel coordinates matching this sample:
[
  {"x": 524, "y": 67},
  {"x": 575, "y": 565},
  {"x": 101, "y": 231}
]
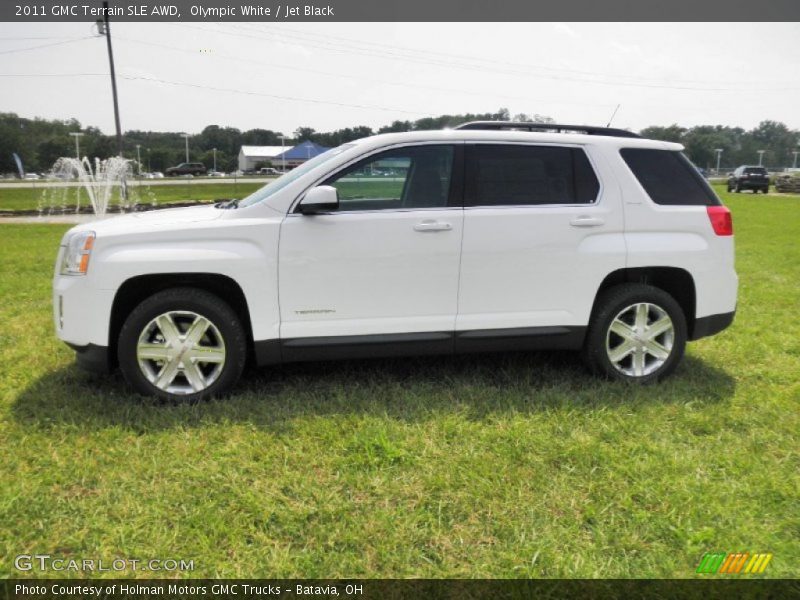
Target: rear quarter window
[{"x": 668, "y": 177}]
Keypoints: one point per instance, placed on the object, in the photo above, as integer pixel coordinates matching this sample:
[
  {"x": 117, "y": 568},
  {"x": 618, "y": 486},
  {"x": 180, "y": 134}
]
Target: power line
[
  {"x": 382, "y": 54},
  {"x": 427, "y": 52},
  {"x": 51, "y": 37},
  {"x": 53, "y": 74},
  {"x": 29, "y": 48},
  {"x": 266, "y": 95},
  {"x": 240, "y": 59},
  {"x": 34, "y": 75}
]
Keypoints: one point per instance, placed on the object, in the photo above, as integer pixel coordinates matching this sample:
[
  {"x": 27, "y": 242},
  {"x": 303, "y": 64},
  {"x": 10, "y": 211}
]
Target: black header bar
[{"x": 404, "y": 10}]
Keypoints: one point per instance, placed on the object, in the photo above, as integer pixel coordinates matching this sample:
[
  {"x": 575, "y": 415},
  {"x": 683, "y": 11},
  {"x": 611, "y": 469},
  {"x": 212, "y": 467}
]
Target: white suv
[{"x": 491, "y": 236}]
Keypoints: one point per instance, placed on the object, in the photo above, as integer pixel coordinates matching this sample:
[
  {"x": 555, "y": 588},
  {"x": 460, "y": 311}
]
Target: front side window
[
  {"x": 519, "y": 175},
  {"x": 402, "y": 178},
  {"x": 293, "y": 175}
]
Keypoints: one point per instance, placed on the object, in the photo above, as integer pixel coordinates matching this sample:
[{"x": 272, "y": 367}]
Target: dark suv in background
[
  {"x": 186, "y": 169},
  {"x": 749, "y": 178}
]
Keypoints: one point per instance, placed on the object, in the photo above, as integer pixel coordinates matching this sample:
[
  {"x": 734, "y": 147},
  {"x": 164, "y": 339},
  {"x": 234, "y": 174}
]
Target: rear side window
[
  {"x": 756, "y": 170},
  {"x": 668, "y": 177},
  {"x": 515, "y": 175}
]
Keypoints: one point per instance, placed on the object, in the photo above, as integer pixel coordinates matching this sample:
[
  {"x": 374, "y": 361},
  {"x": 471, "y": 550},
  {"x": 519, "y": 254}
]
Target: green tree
[{"x": 673, "y": 133}]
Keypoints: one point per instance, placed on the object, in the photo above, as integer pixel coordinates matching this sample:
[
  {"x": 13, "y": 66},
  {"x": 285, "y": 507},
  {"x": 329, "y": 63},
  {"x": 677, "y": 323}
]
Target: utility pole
[
  {"x": 104, "y": 28},
  {"x": 719, "y": 155},
  {"x": 761, "y": 157},
  {"x": 185, "y": 136},
  {"x": 794, "y": 165},
  {"x": 215, "y": 159},
  {"x": 77, "y": 135},
  {"x": 283, "y": 158},
  {"x": 139, "y": 158}
]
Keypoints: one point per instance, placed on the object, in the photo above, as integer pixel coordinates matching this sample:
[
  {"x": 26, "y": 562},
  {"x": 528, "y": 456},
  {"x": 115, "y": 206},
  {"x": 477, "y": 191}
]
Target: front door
[{"x": 384, "y": 266}]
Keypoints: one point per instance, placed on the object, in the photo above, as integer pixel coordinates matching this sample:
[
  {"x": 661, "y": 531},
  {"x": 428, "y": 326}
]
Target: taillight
[{"x": 721, "y": 220}]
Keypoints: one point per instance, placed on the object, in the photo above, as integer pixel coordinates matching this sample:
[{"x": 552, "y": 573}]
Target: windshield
[{"x": 284, "y": 180}]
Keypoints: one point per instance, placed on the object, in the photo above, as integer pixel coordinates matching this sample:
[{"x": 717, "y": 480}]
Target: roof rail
[{"x": 554, "y": 127}]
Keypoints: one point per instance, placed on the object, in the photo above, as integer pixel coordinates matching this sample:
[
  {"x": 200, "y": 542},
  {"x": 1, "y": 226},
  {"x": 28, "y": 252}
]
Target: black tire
[
  {"x": 608, "y": 306},
  {"x": 227, "y": 329},
  {"x": 738, "y": 189},
  {"x": 766, "y": 190}
]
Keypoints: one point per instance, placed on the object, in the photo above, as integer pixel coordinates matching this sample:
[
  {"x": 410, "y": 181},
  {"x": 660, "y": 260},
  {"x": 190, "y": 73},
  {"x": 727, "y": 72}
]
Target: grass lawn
[
  {"x": 510, "y": 465},
  {"x": 30, "y": 198}
]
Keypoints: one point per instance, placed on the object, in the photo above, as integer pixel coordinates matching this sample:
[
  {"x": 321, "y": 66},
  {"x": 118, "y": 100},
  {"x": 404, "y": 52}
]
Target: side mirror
[{"x": 320, "y": 199}]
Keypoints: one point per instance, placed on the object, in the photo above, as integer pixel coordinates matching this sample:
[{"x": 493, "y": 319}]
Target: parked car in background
[
  {"x": 216, "y": 174},
  {"x": 191, "y": 168},
  {"x": 32, "y": 176},
  {"x": 268, "y": 171},
  {"x": 749, "y": 178},
  {"x": 583, "y": 238}
]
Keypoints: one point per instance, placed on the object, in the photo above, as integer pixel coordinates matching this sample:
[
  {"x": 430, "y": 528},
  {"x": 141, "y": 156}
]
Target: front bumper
[
  {"x": 95, "y": 359},
  {"x": 81, "y": 312}
]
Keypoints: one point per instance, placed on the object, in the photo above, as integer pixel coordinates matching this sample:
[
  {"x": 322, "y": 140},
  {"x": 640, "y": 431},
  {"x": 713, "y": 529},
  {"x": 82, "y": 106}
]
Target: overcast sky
[{"x": 184, "y": 76}]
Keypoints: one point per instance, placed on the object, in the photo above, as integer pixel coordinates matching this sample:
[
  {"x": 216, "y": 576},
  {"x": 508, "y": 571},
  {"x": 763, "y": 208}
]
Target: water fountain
[{"x": 104, "y": 183}]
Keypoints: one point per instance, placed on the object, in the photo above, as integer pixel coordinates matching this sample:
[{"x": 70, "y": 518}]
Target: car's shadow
[{"x": 413, "y": 389}]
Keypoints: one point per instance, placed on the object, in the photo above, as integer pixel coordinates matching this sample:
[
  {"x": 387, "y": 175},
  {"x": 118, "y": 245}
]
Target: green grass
[
  {"x": 30, "y": 198},
  {"x": 510, "y": 465}
]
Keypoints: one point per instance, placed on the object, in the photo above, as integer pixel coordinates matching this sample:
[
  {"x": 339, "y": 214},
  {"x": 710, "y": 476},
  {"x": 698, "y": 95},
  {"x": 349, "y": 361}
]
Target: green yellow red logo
[{"x": 734, "y": 563}]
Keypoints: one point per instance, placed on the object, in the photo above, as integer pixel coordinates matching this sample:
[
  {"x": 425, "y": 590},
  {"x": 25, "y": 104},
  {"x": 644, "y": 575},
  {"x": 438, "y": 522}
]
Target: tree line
[{"x": 40, "y": 142}]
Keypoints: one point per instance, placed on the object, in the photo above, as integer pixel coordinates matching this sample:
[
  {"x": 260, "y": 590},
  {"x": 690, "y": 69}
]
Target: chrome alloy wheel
[
  {"x": 640, "y": 339},
  {"x": 181, "y": 352}
]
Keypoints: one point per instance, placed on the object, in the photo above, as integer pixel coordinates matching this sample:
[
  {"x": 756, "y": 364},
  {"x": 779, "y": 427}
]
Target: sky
[{"x": 184, "y": 76}]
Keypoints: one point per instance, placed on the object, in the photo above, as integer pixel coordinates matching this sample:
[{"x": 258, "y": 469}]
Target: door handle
[
  {"x": 586, "y": 221},
  {"x": 432, "y": 226}
]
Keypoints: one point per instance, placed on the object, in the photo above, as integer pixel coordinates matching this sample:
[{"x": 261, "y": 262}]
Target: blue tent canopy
[{"x": 302, "y": 151}]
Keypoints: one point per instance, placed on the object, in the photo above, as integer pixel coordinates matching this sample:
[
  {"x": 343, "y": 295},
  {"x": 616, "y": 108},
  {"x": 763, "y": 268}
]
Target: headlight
[{"x": 77, "y": 253}]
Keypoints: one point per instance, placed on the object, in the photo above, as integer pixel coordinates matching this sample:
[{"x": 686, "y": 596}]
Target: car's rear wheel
[
  {"x": 182, "y": 344},
  {"x": 738, "y": 189},
  {"x": 637, "y": 333}
]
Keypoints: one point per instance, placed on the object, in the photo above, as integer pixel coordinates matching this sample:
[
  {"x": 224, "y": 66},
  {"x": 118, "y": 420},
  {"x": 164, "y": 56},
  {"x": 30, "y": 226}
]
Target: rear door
[{"x": 540, "y": 234}]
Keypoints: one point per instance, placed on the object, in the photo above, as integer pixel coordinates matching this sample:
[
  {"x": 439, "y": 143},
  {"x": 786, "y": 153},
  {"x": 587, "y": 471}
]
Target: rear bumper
[
  {"x": 752, "y": 184},
  {"x": 94, "y": 359},
  {"x": 712, "y": 324}
]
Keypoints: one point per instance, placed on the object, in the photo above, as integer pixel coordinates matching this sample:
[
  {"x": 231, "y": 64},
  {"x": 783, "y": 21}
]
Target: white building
[{"x": 250, "y": 156}]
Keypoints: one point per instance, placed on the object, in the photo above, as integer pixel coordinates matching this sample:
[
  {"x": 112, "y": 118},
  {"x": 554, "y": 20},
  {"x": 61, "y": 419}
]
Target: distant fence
[{"x": 724, "y": 172}]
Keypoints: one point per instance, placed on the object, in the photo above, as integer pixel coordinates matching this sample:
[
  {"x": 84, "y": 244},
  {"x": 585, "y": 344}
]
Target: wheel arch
[
  {"x": 136, "y": 289},
  {"x": 677, "y": 282}
]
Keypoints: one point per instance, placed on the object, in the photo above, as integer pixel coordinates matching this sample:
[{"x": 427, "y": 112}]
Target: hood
[{"x": 153, "y": 220}]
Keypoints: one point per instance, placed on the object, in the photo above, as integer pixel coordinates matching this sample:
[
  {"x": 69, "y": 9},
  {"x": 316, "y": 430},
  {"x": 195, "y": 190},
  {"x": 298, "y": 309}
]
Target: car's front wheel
[
  {"x": 637, "y": 333},
  {"x": 182, "y": 344}
]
